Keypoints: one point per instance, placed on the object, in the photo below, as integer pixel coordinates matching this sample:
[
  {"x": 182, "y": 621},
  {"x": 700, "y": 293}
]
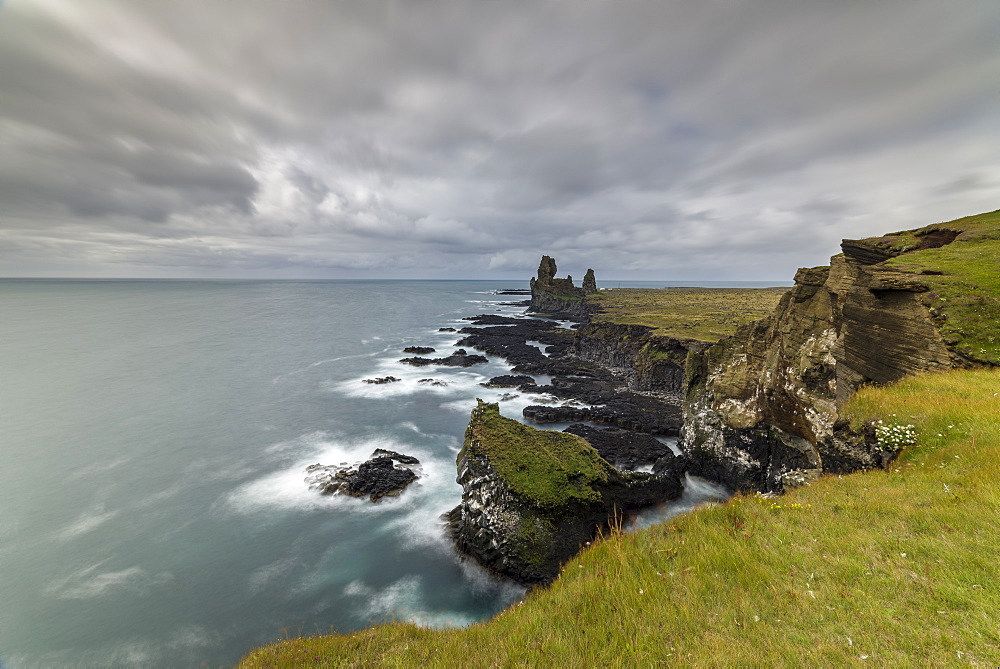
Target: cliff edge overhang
[{"x": 762, "y": 407}]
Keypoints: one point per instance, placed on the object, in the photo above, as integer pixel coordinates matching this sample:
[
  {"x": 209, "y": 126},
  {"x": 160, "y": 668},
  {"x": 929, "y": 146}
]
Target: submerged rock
[
  {"x": 375, "y": 478},
  {"x": 433, "y": 382}
]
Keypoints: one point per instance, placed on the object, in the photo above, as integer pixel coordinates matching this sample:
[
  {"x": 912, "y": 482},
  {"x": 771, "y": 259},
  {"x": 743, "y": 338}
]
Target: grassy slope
[
  {"x": 706, "y": 314},
  {"x": 967, "y": 295},
  {"x": 897, "y": 568},
  {"x": 551, "y": 469}
]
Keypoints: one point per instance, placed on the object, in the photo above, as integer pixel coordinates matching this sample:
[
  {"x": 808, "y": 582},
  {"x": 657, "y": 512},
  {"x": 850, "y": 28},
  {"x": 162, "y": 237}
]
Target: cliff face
[
  {"x": 531, "y": 498},
  {"x": 550, "y": 295},
  {"x": 643, "y": 361},
  {"x": 761, "y": 407}
]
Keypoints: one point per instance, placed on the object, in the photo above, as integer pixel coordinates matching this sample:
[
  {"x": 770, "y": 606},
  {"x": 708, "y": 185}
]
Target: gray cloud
[{"x": 667, "y": 140}]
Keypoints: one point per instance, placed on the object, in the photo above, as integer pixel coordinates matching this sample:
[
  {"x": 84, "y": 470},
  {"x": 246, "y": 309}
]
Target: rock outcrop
[
  {"x": 460, "y": 358},
  {"x": 762, "y": 407},
  {"x": 385, "y": 474},
  {"x": 561, "y": 297},
  {"x": 532, "y": 498}
]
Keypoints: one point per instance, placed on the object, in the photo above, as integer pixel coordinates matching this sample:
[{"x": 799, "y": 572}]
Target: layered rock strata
[{"x": 762, "y": 407}]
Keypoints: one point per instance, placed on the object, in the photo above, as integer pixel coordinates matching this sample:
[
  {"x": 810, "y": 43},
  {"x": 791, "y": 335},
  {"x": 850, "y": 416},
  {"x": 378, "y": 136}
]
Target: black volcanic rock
[
  {"x": 382, "y": 379},
  {"x": 509, "y": 381},
  {"x": 631, "y": 411},
  {"x": 459, "y": 358},
  {"x": 625, "y": 449},
  {"x": 418, "y": 350},
  {"x": 375, "y": 478}
]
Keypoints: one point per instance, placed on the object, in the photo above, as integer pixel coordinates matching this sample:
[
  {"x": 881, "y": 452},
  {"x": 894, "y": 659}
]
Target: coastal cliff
[
  {"x": 758, "y": 402},
  {"x": 531, "y": 498},
  {"x": 762, "y": 406}
]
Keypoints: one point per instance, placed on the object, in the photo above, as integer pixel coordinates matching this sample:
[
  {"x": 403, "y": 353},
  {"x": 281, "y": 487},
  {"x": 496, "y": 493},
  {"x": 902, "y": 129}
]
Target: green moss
[
  {"x": 551, "y": 470},
  {"x": 703, "y": 314},
  {"x": 534, "y": 538}
]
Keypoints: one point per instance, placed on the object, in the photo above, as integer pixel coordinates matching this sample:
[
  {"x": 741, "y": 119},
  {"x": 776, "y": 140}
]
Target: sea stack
[{"x": 560, "y": 297}]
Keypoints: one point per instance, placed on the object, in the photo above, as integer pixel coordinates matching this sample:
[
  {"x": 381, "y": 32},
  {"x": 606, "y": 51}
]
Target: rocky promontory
[
  {"x": 756, "y": 401},
  {"x": 550, "y": 295},
  {"x": 531, "y": 498}
]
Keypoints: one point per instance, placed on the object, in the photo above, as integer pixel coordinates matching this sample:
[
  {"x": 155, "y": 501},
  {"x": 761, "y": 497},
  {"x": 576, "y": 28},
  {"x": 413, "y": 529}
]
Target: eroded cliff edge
[
  {"x": 762, "y": 406},
  {"x": 531, "y": 498}
]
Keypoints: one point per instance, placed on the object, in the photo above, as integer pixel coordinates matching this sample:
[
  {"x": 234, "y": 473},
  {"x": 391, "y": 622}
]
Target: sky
[{"x": 655, "y": 140}]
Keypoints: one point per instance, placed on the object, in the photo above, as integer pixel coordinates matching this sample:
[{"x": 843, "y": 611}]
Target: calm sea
[{"x": 153, "y": 442}]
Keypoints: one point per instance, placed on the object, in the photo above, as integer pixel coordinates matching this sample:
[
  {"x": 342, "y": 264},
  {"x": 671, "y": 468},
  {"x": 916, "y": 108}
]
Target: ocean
[{"x": 154, "y": 437}]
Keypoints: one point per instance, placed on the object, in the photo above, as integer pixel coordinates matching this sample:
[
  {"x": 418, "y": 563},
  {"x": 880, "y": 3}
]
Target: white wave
[
  {"x": 97, "y": 468},
  {"x": 88, "y": 584},
  {"x": 260, "y": 578},
  {"x": 286, "y": 488},
  {"x": 697, "y": 491},
  {"x": 193, "y": 636},
  {"x": 325, "y": 362},
  {"x": 456, "y": 381},
  {"x": 484, "y": 582},
  {"x": 86, "y": 522},
  {"x": 403, "y": 600},
  {"x": 671, "y": 442}
]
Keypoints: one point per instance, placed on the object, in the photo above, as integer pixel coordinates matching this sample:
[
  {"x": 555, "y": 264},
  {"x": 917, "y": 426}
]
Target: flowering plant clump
[{"x": 893, "y": 437}]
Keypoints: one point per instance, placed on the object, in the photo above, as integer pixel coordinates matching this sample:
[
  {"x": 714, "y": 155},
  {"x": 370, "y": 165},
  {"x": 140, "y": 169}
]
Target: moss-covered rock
[{"x": 532, "y": 497}]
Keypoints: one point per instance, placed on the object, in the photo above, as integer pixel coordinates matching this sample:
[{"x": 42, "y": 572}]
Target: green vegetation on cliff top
[
  {"x": 705, "y": 314},
  {"x": 895, "y": 568},
  {"x": 965, "y": 296},
  {"x": 550, "y": 469}
]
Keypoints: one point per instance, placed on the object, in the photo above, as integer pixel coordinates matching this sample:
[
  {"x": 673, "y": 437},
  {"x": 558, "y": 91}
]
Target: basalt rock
[
  {"x": 509, "y": 381},
  {"x": 561, "y": 297},
  {"x": 459, "y": 358},
  {"x": 418, "y": 350},
  {"x": 381, "y": 380},
  {"x": 532, "y": 498},
  {"x": 625, "y": 449},
  {"x": 375, "y": 478}
]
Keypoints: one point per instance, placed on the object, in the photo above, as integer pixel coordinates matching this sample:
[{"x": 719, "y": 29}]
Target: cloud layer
[{"x": 668, "y": 140}]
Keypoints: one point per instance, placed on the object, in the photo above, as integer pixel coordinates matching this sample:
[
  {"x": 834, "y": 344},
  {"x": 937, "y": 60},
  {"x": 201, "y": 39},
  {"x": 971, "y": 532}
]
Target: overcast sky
[{"x": 649, "y": 140}]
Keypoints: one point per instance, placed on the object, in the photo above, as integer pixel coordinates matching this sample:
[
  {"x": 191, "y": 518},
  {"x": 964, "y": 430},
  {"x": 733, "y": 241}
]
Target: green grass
[
  {"x": 550, "y": 469},
  {"x": 965, "y": 298},
  {"x": 704, "y": 314},
  {"x": 891, "y": 568}
]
